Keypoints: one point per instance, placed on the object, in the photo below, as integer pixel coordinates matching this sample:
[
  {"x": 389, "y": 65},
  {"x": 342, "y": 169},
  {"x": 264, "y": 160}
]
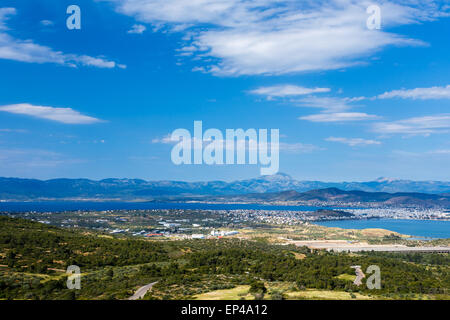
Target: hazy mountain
[
  {"x": 337, "y": 196},
  {"x": 14, "y": 188}
]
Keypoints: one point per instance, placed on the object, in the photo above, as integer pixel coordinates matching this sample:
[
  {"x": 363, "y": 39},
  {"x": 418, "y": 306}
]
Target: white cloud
[
  {"x": 329, "y": 104},
  {"x": 63, "y": 115},
  {"x": 95, "y": 62},
  {"x": 286, "y": 90},
  {"x": 427, "y": 154},
  {"x": 137, "y": 29},
  {"x": 441, "y": 151},
  {"x": 184, "y": 13},
  {"x": 164, "y": 140},
  {"x": 47, "y": 23},
  {"x": 298, "y": 147},
  {"x": 278, "y": 37},
  {"x": 291, "y": 49},
  {"x": 418, "y": 93},
  {"x": 283, "y": 146},
  {"x": 13, "y": 130},
  {"x": 415, "y": 126},
  {"x": 33, "y": 158},
  {"x": 353, "y": 142},
  {"x": 339, "y": 117},
  {"x": 4, "y": 15},
  {"x": 28, "y": 51}
]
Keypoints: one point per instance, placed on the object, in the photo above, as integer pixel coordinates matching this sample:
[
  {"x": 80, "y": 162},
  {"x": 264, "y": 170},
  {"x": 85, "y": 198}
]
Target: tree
[
  {"x": 110, "y": 273},
  {"x": 277, "y": 295},
  {"x": 258, "y": 289}
]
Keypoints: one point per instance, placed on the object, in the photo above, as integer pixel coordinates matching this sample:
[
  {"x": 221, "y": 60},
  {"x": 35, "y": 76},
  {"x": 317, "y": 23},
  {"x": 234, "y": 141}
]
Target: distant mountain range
[
  {"x": 334, "y": 196},
  {"x": 129, "y": 189}
]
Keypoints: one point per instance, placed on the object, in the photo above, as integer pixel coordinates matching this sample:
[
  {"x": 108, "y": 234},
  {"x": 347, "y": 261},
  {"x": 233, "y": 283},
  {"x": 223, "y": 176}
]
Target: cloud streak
[
  {"x": 286, "y": 90},
  {"x": 280, "y": 37},
  {"x": 31, "y": 52},
  {"x": 25, "y": 159},
  {"x": 415, "y": 126},
  {"x": 137, "y": 29},
  {"x": 418, "y": 93},
  {"x": 62, "y": 115},
  {"x": 328, "y": 104},
  {"x": 339, "y": 117},
  {"x": 239, "y": 144},
  {"x": 353, "y": 142}
]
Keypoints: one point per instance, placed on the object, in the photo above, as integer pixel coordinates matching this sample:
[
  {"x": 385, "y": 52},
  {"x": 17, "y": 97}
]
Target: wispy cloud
[
  {"x": 278, "y": 37},
  {"x": 13, "y": 130},
  {"x": 430, "y": 93},
  {"x": 441, "y": 151},
  {"x": 418, "y": 93},
  {"x": 298, "y": 147},
  {"x": 333, "y": 109},
  {"x": 31, "y": 52},
  {"x": 167, "y": 139},
  {"x": 4, "y": 15},
  {"x": 47, "y": 23},
  {"x": 247, "y": 145},
  {"x": 63, "y": 115},
  {"x": 286, "y": 90},
  {"x": 415, "y": 126},
  {"x": 339, "y": 117},
  {"x": 137, "y": 29},
  {"x": 353, "y": 142},
  {"x": 33, "y": 158},
  {"x": 328, "y": 104},
  {"x": 418, "y": 154}
]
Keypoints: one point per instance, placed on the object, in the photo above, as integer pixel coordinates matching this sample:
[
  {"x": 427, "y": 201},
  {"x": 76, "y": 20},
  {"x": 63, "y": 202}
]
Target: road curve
[{"x": 140, "y": 293}]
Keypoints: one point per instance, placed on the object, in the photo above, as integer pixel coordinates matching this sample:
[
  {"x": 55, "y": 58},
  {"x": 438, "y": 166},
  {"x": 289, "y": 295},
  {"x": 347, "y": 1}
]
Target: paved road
[
  {"x": 140, "y": 293},
  {"x": 359, "y": 275}
]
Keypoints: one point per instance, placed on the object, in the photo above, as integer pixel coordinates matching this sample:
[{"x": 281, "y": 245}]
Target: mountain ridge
[
  {"x": 334, "y": 196},
  {"x": 20, "y": 189}
]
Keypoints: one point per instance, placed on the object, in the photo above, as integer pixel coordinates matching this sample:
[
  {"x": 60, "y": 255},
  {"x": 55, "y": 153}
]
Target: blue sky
[{"x": 350, "y": 103}]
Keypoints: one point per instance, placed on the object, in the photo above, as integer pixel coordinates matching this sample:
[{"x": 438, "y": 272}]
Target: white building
[{"x": 216, "y": 233}]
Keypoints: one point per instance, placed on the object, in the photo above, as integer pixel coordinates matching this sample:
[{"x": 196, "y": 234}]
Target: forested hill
[
  {"x": 335, "y": 196},
  {"x": 33, "y": 258}
]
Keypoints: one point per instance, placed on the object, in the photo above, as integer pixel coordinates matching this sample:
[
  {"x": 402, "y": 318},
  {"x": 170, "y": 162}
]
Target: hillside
[
  {"x": 336, "y": 196},
  {"x": 33, "y": 258}
]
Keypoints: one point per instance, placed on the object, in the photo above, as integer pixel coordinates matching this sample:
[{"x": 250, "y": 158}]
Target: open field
[
  {"x": 238, "y": 293},
  {"x": 286, "y": 289},
  {"x": 241, "y": 292},
  {"x": 325, "y": 295},
  {"x": 347, "y": 277},
  {"x": 307, "y": 231}
]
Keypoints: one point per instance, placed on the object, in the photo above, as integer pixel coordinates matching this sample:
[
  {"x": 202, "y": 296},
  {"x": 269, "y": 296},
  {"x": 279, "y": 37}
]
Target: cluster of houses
[{"x": 215, "y": 233}]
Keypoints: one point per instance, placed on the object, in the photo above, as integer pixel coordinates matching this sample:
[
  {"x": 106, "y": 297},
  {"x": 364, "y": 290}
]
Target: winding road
[{"x": 140, "y": 293}]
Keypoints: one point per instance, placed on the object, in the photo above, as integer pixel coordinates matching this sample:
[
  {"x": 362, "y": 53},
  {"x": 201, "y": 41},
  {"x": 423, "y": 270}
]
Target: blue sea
[
  {"x": 60, "y": 206},
  {"x": 418, "y": 228}
]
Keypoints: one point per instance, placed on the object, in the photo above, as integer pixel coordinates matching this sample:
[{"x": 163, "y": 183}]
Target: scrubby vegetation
[{"x": 34, "y": 257}]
